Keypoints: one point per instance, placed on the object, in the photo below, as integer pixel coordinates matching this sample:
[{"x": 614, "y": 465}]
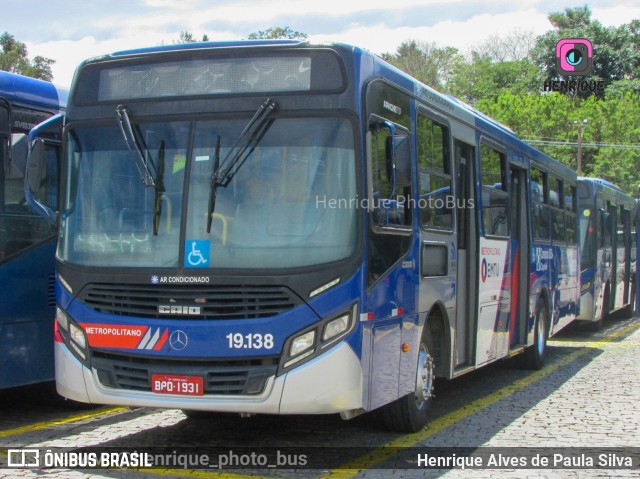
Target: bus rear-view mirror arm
[
  {"x": 33, "y": 181},
  {"x": 35, "y": 171}
]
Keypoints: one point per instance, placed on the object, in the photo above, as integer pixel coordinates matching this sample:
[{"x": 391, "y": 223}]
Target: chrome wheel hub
[{"x": 425, "y": 377}]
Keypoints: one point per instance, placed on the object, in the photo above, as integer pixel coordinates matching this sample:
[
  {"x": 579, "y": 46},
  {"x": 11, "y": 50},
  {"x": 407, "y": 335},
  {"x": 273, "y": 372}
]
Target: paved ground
[{"x": 587, "y": 396}]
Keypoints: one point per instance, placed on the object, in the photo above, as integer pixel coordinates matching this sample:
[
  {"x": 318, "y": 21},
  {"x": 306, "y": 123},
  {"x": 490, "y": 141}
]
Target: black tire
[
  {"x": 409, "y": 413},
  {"x": 533, "y": 357},
  {"x": 598, "y": 324}
]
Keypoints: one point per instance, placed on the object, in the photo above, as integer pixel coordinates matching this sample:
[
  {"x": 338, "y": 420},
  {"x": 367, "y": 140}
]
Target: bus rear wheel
[
  {"x": 598, "y": 324},
  {"x": 533, "y": 357},
  {"x": 409, "y": 413}
]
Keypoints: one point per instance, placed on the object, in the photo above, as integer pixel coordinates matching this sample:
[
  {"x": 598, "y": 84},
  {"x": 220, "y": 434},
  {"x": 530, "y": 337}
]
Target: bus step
[{"x": 515, "y": 350}]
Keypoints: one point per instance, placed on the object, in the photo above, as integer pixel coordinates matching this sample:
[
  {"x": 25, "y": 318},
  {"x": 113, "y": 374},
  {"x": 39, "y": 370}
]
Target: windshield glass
[
  {"x": 286, "y": 206},
  {"x": 586, "y": 238}
]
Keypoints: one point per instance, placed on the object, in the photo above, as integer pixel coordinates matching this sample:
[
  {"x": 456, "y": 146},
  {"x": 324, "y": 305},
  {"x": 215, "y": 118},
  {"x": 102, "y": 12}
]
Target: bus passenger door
[
  {"x": 622, "y": 270},
  {"x": 625, "y": 237},
  {"x": 609, "y": 258},
  {"x": 391, "y": 270},
  {"x": 519, "y": 286},
  {"x": 494, "y": 259},
  {"x": 467, "y": 271}
]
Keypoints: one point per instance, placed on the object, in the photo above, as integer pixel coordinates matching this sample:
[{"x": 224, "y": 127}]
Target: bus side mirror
[
  {"x": 397, "y": 158},
  {"x": 390, "y": 160},
  {"x": 606, "y": 219},
  {"x": 403, "y": 160},
  {"x": 35, "y": 167},
  {"x": 40, "y": 194},
  {"x": 41, "y": 178}
]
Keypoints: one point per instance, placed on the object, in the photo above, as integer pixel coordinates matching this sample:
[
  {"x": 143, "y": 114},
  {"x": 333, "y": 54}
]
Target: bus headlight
[
  {"x": 301, "y": 347},
  {"x": 335, "y": 327},
  {"x": 63, "y": 319},
  {"x": 77, "y": 336},
  {"x": 72, "y": 335},
  {"x": 309, "y": 343},
  {"x": 301, "y": 343}
]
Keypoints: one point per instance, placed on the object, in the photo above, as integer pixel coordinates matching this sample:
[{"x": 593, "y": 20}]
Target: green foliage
[
  {"x": 482, "y": 79},
  {"x": 617, "y": 49},
  {"x": 187, "y": 37},
  {"x": 277, "y": 33},
  {"x": 504, "y": 79},
  {"x": 613, "y": 127},
  {"x": 431, "y": 65},
  {"x": 14, "y": 58}
]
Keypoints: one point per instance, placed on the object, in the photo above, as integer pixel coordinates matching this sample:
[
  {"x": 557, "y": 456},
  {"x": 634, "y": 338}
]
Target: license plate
[{"x": 173, "y": 384}]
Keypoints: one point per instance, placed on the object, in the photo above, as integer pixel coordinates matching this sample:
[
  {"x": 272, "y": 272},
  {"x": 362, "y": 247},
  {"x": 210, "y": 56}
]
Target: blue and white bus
[
  {"x": 27, "y": 242},
  {"x": 608, "y": 250},
  {"x": 262, "y": 227}
]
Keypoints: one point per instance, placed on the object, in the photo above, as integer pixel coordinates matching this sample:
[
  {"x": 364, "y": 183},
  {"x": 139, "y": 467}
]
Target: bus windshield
[
  {"x": 275, "y": 212},
  {"x": 587, "y": 257}
]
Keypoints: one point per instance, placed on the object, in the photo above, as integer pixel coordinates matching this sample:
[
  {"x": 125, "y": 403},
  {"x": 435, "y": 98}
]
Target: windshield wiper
[
  {"x": 223, "y": 173},
  {"x": 244, "y": 144},
  {"x": 213, "y": 187},
  {"x": 159, "y": 187},
  {"x": 132, "y": 143}
]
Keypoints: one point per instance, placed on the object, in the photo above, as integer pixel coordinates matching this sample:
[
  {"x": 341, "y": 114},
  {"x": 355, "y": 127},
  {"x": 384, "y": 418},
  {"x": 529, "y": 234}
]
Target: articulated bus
[
  {"x": 277, "y": 227},
  {"x": 27, "y": 242},
  {"x": 608, "y": 250}
]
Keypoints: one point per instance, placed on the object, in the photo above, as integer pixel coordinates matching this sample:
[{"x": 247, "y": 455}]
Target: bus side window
[
  {"x": 434, "y": 175},
  {"x": 556, "y": 198},
  {"x": 494, "y": 192},
  {"x": 391, "y": 190},
  {"x": 391, "y": 216},
  {"x": 571, "y": 215},
  {"x": 19, "y": 226},
  {"x": 539, "y": 206}
]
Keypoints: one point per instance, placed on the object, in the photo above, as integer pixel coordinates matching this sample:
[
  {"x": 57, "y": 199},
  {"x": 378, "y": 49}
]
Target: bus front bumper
[{"x": 331, "y": 383}]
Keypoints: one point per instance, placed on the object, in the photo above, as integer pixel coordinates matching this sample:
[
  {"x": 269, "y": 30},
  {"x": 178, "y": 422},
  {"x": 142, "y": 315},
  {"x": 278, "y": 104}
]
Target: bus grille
[
  {"x": 51, "y": 291},
  {"x": 244, "y": 377},
  {"x": 210, "y": 301}
]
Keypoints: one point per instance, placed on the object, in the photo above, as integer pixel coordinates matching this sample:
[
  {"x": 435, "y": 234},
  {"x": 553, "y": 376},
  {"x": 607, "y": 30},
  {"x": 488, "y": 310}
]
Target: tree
[
  {"x": 187, "y": 37},
  {"x": 14, "y": 58},
  {"x": 511, "y": 47},
  {"x": 426, "y": 62},
  {"x": 482, "y": 78},
  {"x": 571, "y": 18},
  {"x": 277, "y": 33},
  {"x": 616, "y": 50},
  {"x": 611, "y": 139}
]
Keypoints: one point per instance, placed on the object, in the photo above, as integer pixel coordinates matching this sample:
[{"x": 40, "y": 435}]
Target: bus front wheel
[{"x": 409, "y": 413}]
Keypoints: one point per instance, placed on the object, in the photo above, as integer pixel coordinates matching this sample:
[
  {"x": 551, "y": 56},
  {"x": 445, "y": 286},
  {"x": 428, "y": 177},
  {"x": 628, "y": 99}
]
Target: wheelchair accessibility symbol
[{"x": 196, "y": 253}]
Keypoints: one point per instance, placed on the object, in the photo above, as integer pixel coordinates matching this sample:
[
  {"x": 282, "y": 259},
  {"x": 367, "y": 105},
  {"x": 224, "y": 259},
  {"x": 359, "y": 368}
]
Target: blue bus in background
[
  {"x": 27, "y": 241},
  {"x": 286, "y": 228},
  {"x": 608, "y": 250}
]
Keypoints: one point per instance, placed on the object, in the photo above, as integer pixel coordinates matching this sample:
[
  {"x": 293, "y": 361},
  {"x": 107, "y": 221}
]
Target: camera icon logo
[{"x": 574, "y": 56}]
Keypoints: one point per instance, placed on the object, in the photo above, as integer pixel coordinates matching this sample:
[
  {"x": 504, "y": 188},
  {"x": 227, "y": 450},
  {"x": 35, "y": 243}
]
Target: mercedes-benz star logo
[{"x": 178, "y": 340}]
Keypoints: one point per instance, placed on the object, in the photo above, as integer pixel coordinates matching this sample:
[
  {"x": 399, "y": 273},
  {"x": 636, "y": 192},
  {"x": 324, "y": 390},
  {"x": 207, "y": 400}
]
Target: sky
[{"x": 71, "y": 31}]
